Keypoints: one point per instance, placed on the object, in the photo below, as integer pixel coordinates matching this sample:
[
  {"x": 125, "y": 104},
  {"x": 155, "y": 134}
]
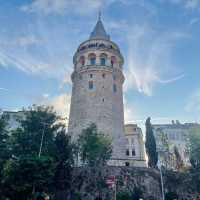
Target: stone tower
[{"x": 97, "y": 90}]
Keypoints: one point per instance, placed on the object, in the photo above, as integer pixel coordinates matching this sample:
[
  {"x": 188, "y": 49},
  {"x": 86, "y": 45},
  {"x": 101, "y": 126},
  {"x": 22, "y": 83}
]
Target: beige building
[{"x": 135, "y": 151}]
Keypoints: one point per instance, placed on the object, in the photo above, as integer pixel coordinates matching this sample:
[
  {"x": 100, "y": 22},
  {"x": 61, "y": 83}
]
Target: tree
[
  {"x": 28, "y": 171},
  {"x": 164, "y": 152},
  {"x": 124, "y": 195},
  {"x": 95, "y": 148},
  {"x": 150, "y": 145},
  {"x": 4, "y": 147},
  {"x": 194, "y": 147},
  {"x": 64, "y": 163},
  {"x": 179, "y": 161},
  {"x": 22, "y": 177},
  {"x": 39, "y": 122}
]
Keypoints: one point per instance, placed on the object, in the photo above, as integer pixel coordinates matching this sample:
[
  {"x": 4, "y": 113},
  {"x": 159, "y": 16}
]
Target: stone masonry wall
[{"x": 89, "y": 183}]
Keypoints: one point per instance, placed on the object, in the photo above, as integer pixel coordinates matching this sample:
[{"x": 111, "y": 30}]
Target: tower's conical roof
[{"x": 99, "y": 31}]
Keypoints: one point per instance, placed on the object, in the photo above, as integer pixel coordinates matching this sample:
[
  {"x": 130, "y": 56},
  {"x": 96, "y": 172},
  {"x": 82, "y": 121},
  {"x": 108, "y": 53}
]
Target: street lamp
[{"x": 161, "y": 178}]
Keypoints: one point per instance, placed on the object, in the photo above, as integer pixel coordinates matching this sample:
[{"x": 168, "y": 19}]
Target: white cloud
[
  {"x": 129, "y": 113},
  {"x": 193, "y": 104},
  {"x": 4, "y": 89},
  {"x": 188, "y": 4},
  {"x": 149, "y": 58},
  {"x": 61, "y": 103},
  {"x": 194, "y": 21},
  {"x": 65, "y": 6}
]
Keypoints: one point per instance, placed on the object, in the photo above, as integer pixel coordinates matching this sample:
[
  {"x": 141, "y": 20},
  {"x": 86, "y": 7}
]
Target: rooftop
[{"x": 99, "y": 31}]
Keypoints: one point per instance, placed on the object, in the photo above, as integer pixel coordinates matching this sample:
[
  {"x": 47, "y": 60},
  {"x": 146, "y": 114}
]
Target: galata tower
[{"x": 97, "y": 95}]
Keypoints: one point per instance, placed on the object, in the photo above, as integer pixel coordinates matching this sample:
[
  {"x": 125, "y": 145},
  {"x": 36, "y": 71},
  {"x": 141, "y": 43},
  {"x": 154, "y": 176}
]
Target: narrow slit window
[
  {"x": 127, "y": 152},
  {"x": 133, "y": 152},
  {"x": 90, "y": 85},
  {"x": 114, "y": 88}
]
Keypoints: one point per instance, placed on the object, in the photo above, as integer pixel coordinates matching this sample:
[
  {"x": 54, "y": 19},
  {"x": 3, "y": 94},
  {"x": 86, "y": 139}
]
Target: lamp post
[{"x": 161, "y": 179}]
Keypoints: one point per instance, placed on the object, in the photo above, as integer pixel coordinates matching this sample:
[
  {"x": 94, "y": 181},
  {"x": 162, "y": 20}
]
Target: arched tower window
[
  {"x": 82, "y": 60},
  {"x": 92, "y": 59},
  {"x": 103, "y": 59},
  {"x": 113, "y": 60}
]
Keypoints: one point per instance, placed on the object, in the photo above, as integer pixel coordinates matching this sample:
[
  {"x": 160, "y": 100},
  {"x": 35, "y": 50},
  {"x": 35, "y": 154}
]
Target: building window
[
  {"x": 133, "y": 152},
  {"x": 91, "y": 75},
  {"x": 90, "y": 85},
  {"x": 103, "y": 58},
  {"x": 103, "y": 99},
  {"x": 127, "y": 152},
  {"x": 103, "y": 61},
  {"x": 113, "y": 61},
  {"x": 114, "y": 88},
  {"x": 82, "y": 61},
  {"x": 92, "y": 59},
  {"x": 103, "y": 75},
  {"x": 127, "y": 164}
]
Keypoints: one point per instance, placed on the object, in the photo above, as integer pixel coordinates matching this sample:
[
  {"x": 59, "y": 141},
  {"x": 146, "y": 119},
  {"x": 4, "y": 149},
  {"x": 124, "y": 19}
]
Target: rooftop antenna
[{"x": 99, "y": 16}]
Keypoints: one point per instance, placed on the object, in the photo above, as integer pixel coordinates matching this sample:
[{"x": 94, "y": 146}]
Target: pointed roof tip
[
  {"x": 99, "y": 30},
  {"x": 99, "y": 16}
]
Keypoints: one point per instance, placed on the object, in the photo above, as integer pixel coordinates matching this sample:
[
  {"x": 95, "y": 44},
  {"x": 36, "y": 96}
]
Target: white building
[{"x": 175, "y": 134}]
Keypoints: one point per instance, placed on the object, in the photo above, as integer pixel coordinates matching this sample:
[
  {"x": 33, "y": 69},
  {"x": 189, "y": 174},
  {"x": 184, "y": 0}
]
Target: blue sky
[{"x": 159, "y": 40}]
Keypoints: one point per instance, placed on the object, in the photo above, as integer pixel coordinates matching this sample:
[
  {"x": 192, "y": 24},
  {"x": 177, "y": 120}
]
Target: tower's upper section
[
  {"x": 98, "y": 52},
  {"x": 99, "y": 31}
]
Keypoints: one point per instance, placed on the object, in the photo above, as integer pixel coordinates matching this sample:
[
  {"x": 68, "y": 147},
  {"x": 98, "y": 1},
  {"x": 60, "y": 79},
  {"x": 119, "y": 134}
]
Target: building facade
[
  {"x": 169, "y": 136},
  {"x": 97, "y": 95},
  {"x": 97, "y": 91},
  {"x": 135, "y": 151}
]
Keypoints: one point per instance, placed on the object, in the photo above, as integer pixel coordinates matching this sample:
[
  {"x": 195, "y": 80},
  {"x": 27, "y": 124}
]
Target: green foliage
[
  {"x": 150, "y": 145},
  {"x": 95, "y": 148},
  {"x": 124, "y": 195},
  {"x": 24, "y": 175},
  {"x": 194, "y": 147},
  {"x": 171, "y": 196},
  {"x": 26, "y": 139},
  {"x": 4, "y": 137},
  {"x": 137, "y": 193},
  {"x": 64, "y": 160},
  {"x": 4, "y": 145},
  {"x": 25, "y": 172},
  {"x": 179, "y": 161}
]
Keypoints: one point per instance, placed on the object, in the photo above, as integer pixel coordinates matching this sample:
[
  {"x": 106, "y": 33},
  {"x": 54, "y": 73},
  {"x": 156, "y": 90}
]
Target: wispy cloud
[
  {"x": 63, "y": 6},
  {"x": 193, "y": 104},
  {"x": 3, "y": 89},
  {"x": 149, "y": 58},
  {"x": 61, "y": 103},
  {"x": 188, "y": 4},
  {"x": 37, "y": 53}
]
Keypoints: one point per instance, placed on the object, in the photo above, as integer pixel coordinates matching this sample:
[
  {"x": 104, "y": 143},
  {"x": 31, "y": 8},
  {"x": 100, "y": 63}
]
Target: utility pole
[
  {"x": 41, "y": 143},
  {"x": 161, "y": 179}
]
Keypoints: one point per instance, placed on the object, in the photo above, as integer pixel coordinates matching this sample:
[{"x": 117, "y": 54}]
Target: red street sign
[{"x": 110, "y": 181}]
